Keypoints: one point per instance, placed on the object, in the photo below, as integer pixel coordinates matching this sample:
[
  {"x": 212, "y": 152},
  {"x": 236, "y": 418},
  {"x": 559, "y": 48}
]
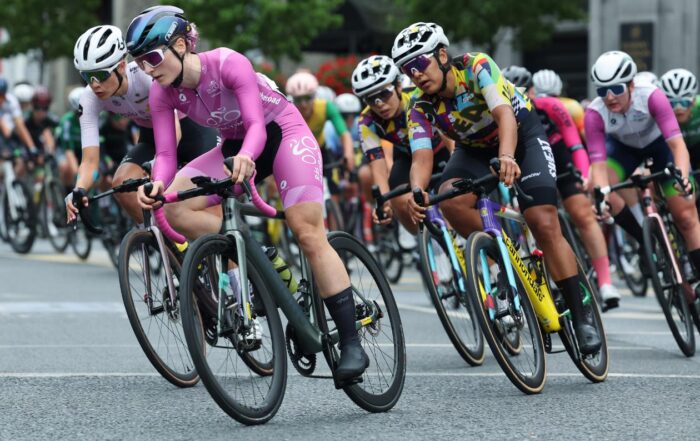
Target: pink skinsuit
[
  {"x": 245, "y": 107},
  {"x": 565, "y": 130}
]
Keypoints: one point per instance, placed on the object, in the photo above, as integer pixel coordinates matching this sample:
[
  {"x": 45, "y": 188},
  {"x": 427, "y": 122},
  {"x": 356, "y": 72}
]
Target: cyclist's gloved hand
[
  {"x": 146, "y": 201},
  {"x": 243, "y": 168},
  {"x": 417, "y": 212},
  {"x": 510, "y": 170},
  {"x": 71, "y": 209},
  {"x": 388, "y": 214}
]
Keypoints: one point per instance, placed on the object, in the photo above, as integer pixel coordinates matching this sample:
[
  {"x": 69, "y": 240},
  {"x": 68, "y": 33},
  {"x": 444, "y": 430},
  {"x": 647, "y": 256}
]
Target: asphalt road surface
[{"x": 70, "y": 368}]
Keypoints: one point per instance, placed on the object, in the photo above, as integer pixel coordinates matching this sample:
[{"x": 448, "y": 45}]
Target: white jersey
[
  {"x": 10, "y": 110},
  {"x": 133, "y": 105},
  {"x": 635, "y": 128}
]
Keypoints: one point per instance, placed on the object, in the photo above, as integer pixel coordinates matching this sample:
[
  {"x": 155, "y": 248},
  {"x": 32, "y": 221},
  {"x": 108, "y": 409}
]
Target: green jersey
[
  {"x": 68, "y": 133},
  {"x": 691, "y": 129}
]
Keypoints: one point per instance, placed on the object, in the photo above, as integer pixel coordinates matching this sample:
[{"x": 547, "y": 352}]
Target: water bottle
[{"x": 282, "y": 268}]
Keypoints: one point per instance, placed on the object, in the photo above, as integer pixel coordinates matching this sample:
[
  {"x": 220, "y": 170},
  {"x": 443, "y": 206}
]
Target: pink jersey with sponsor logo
[{"x": 230, "y": 96}]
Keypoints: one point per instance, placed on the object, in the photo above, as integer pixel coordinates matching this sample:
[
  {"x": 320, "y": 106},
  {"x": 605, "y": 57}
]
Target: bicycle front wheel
[
  {"x": 668, "y": 292},
  {"x": 20, "y": 217},
  {"x": 244, "y": 369},
  {"x": 382, "y": 339},
  {"x": 525, "y": 368},
  {"x": 153, "y": 313},
  {"x": 450, "y": 300}
]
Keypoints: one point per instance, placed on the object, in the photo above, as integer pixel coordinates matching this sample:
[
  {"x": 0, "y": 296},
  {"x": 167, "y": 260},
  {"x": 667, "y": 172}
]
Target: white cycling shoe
[{"x": 610, "y": 296}]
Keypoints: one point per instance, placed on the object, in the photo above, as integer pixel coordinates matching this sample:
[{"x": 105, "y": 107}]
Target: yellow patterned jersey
[
  {"x": 374, "y": 129},
  {"x": 479, "y": 88}
]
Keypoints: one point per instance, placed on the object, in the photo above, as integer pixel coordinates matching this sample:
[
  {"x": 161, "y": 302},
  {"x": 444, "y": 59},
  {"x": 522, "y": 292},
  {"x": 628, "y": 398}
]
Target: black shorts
[
  {"x": 264, "y": 163},
  {"x": 196, "y": 140},
  {"x": 567, "y": 186},
  {"x": 401, "y": 170},
  {"x": 533, "y": 154}
]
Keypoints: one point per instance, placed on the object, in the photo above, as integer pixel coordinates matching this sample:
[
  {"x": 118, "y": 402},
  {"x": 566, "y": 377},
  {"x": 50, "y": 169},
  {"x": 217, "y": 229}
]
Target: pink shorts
[{"x": 291, "y": 155}]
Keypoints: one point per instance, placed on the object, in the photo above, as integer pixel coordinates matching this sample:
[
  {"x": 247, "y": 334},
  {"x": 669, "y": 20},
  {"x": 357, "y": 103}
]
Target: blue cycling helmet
[
  {"x": 3, "y": 86},
  {"x": 155, "y": 26}
]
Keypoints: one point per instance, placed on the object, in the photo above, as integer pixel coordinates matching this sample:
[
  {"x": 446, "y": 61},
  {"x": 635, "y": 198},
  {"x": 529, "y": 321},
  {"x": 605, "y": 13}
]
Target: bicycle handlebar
[
  {"x": 207, "y": 186},
  {"x": 402, "y": 189},
  {"x": 126, "y": 187}
]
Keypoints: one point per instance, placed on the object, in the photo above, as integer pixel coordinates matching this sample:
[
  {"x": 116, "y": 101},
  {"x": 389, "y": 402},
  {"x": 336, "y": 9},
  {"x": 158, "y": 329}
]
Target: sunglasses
[
  {"x": 416, "y": 65},
  {"x": 380, "y": 97},
  {"x": 41, "y": 108},
  {"x": 681, "y": 103},
  {"x": 153, "y": 58},
  {"x": 617, "y": 90},
  {"x": 303, "y": 98},
  {"x": 97, "y": 75}
]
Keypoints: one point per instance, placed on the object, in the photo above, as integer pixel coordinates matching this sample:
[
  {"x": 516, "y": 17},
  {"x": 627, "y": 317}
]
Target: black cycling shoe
[
  {"x": 353, "y": 362},
  {"x": 588, "y": 339}
]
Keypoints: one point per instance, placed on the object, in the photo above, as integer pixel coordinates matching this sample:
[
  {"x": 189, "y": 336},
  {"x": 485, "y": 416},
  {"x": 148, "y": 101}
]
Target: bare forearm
[
  {"x": 380, "y": 174},
  {"x": 421, "y": 168}
]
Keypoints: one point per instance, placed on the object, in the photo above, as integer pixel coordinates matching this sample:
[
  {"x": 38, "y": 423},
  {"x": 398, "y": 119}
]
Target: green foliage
[
  {"x": 49, "y": 26},
  {"x": 480, "y": 20},
  {"x": 277, "y": 27}
]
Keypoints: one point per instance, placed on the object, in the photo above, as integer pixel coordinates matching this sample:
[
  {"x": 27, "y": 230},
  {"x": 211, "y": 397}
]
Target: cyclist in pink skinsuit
[{"x": 260, "y": 129}]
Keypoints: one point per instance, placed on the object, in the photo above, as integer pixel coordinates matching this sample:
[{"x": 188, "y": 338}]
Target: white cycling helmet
[
  {"x": 301, "y": 84},
  {"x": 418, "y": 39},
  {"x": 373, "y": 74},
  {"x": 519, "y": 76},
  {"x": 679, "y": 83},
  {"x": 646, "y": 77},
  {"x": 613, "y": 67},
  {"x": 547, "y": 82},
  {"x": 348, "y": 103},
  {"x": 99, "y": 48},
  {"x": 23, "y": 92},
  {"x": 74, "y": 97},
  {"x": 325, "y": 93}
]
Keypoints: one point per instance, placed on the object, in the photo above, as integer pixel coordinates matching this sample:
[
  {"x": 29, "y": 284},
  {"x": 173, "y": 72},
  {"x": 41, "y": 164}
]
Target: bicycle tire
[
  {"x": 200, "y": 252},
  {"x": 594, "y": 367},
  {"x": 660, "y": 261},
  {"x": 637, "y": 282},
  {"x": 27, "y": 218},
  {"x": 691, "y": 279},
  {"x": 465, "y": 335},
  {"x": 356, "y": 255},
  {"x": 52, "y": 212},
  {"x": 155, "y": 309},
  {"x": 529, "y": 384},
  {"x": 80, "y": 241},
  {"x": 388, "y": 253},
  {"x": 583, "y": 260}
]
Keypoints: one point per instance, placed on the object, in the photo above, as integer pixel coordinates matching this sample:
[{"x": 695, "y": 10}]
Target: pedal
[
  {"x": 610, "y": 304},
  {"x": 346, "y": 383}
]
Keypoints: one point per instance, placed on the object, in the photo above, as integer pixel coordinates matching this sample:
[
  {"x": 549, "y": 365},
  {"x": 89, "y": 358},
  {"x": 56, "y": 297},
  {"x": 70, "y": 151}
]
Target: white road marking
[{"x": 60, "y": 307}]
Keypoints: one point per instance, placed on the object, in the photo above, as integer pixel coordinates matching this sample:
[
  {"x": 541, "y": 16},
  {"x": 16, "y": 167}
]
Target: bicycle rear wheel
[
  {"x": 388, "y": 252},
  {"x": 526, "y": 368},
  {"x": 594, "y": 366},
  {"x": 154, "y": 317},
  {"x": 80, "y": 241},
  {"x": 244, "y": 370},
  {"x": 670, "y": 294},
  {"x": 627, "y": 254},
  {"x": 383, "y": 339},
  {"x": 451, "y": 301}
]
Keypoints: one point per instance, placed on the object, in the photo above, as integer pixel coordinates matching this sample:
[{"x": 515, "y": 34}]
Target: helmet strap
[
  {"x": 120, "y": 80},
  {"x": 178, "y": 80},
  {"x": 443, "y": 67}
]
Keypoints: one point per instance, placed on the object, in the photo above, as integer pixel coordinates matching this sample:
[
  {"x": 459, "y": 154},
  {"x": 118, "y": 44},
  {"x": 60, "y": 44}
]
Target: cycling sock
[
  {"x": 695, "y": 259},
  {"x": 636, "y": 210},
  {"x": 342, "y": 309},
  {"x": 571, "y": 290},
  {"x": 602, "y": 269},
  {"x": 627, "y": 221}
]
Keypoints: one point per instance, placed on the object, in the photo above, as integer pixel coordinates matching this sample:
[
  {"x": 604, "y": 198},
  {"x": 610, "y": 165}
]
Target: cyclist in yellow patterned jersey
[
  {"x": 376, "y": 81},
  {"x": 302, "y": 88},
  {"x": 469, "y": 100}
]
